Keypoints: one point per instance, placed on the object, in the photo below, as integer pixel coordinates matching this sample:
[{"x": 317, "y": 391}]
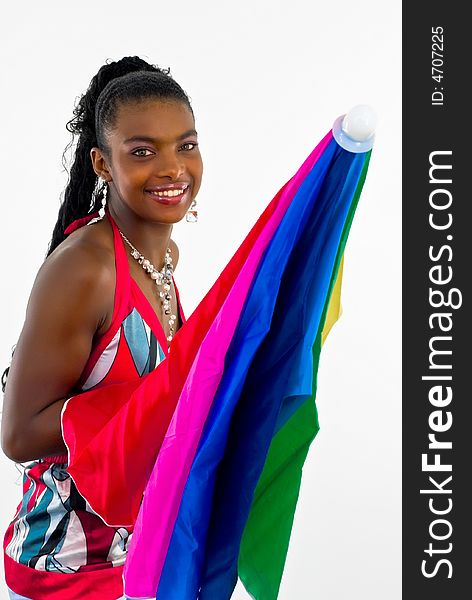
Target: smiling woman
[
  {"x": 103, "y": 309},
  {"x": 155, "y": 172},
  {"x": 156, "y": 473}
]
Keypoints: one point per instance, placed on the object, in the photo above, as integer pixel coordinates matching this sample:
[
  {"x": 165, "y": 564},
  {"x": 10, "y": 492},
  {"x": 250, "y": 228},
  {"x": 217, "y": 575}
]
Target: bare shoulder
[
  {"x": 86, "y": 253},
  {"x": 83, "y": 265}
]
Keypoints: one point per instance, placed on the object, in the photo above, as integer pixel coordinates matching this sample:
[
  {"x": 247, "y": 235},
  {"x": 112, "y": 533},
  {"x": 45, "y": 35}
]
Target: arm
[{"x": 69, "y": 300}]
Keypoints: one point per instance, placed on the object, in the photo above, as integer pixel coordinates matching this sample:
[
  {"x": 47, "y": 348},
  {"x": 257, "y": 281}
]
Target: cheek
[
  {"x": 132, "y": 176},
  {"x": 197, "y": 171},
  {"x": 197, "y": 182}
]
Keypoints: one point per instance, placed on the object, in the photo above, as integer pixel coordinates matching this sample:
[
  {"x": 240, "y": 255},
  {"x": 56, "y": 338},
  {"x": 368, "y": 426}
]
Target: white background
[{"x": 267, "y": 80}]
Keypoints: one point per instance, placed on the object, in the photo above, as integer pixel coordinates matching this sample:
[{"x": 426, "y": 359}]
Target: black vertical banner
[{"x": 437, "y": 323}]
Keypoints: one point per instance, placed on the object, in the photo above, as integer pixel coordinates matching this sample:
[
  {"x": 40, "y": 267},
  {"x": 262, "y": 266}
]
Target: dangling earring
[
  {"x": 101, "y": 212},
  {"x": 192, "y": 213}
]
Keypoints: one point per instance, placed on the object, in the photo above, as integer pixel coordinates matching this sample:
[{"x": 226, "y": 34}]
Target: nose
[{"x": 170, "y": 164}]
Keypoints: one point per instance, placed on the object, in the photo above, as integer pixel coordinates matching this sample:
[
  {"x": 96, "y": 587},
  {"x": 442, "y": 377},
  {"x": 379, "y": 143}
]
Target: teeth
[{"x": 169, "y": 193}]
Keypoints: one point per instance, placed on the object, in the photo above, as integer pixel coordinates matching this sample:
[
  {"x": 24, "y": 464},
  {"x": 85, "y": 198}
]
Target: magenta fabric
[{"x": 158, "y": 512}]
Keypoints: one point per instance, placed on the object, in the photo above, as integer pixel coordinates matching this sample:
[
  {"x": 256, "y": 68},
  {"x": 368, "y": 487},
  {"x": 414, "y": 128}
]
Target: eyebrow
[{"x": 147, "y": 138}]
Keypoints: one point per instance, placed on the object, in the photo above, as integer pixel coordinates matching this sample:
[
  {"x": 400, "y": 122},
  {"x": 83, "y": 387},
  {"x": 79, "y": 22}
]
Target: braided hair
[{"x": 130, "y": 79}]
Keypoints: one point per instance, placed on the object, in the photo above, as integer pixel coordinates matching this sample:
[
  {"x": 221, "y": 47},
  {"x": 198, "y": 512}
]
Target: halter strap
[{"x": 78, "y": 223}]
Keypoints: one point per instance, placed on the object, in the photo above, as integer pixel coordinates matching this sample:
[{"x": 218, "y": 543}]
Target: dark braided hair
[
  {"x": 130, "y": 79},
  {"x": 127, "y": 80}
]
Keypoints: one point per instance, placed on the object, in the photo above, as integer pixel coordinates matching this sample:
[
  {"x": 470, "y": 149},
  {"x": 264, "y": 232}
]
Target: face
[{"x": 154, "y": 149}]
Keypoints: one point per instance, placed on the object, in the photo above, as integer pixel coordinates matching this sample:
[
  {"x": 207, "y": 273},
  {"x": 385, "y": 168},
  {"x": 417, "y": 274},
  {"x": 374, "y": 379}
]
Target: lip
[{"x": 169, "y": 201}]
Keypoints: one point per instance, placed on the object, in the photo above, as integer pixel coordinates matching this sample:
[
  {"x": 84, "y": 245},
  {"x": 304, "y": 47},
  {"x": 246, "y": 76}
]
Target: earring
[
  {"x": 101, "y": 212},
  {"x": 192, "y": 213}
]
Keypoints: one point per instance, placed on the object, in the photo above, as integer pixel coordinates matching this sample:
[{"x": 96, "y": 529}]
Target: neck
[{"x": 150, "y": 239}]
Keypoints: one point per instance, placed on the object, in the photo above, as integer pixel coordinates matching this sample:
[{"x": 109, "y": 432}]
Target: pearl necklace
[{"x": 161, "y": 277}]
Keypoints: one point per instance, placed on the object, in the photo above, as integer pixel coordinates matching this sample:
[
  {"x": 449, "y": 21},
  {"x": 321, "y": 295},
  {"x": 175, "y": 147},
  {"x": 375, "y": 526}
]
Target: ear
[{"x": 100, "y": 164}]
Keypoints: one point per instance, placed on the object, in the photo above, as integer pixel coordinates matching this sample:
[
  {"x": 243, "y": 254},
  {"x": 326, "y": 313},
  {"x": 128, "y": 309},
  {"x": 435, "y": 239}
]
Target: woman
[{"x": 103, "y": 309}]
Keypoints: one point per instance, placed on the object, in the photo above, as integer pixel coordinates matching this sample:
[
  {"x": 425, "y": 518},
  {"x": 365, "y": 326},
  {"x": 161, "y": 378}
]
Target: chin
[{"x": 171, "y": 216}]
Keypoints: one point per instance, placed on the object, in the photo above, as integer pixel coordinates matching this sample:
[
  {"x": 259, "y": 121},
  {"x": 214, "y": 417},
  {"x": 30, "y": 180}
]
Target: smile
[
  {"x": 168, "y": 193},
  {"x": 169, "y": 197}
]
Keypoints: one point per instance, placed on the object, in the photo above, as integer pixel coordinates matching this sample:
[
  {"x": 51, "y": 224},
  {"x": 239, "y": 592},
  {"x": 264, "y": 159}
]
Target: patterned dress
[{"x": 55, "y": 532}]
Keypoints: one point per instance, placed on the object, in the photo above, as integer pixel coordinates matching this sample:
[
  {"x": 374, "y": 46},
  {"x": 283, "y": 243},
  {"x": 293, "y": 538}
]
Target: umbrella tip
[{"x": 355, "y": 131}]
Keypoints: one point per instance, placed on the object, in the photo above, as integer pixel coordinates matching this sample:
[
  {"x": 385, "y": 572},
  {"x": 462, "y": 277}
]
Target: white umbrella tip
[
  {"x": 355, "y": 131},
  {"x": 360, "y": 123}
]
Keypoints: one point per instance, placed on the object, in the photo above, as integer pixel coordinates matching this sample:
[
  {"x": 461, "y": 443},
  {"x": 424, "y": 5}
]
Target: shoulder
[
  {"x": 79, "y": 271},
  {"x": 87, "y": 253}
]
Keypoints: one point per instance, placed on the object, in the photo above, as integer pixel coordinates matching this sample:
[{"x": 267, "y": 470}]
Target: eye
[
  {"x": 194, "y": 144},
  {"x": 141, "y": 150}
]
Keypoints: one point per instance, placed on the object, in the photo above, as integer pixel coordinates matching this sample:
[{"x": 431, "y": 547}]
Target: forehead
[{"x": 160, "y": 119}]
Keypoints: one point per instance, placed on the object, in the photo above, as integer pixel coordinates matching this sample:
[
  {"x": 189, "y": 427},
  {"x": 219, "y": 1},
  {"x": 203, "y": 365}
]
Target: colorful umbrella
[{"x": 216, "y": 436}]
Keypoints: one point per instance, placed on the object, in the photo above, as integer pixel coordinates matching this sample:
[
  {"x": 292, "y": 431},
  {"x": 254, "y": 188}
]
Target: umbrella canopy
[{"x": 216, "y": 436}]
